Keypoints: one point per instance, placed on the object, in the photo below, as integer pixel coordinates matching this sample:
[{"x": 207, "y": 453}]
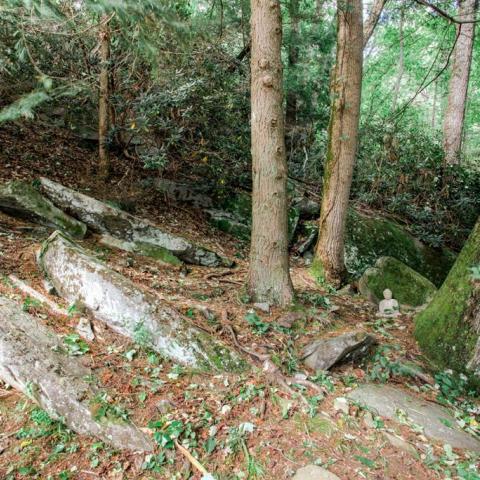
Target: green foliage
[
  {"x": 258, "y": 325},
  {"x": 75, "y": 345}
]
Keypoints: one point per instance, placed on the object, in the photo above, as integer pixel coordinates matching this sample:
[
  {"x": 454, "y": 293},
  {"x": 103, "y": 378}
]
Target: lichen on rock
[
  {"x": 23, "y": 200},
  {"x": 128, "y": 309},
  {"x": 32, "y": 361}
]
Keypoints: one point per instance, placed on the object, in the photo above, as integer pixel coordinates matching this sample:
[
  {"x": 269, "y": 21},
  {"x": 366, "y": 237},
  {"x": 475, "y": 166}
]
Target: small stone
[
  {"x": 341, "y": 404},
  {"x": 287, "y": 320},
  {"x": 49, "y": 287},
  {"x": 84, "y": 329},
  {"x": 400, "y": 443},
  {"x": 262, "y": 306},
  {"x": 368, "y": 420},
  {"x": 164, "y": 406},
  {"x": 314, "y": 472}
]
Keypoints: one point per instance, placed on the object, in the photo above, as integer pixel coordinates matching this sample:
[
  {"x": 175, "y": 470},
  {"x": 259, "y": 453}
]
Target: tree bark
[
  {"x": 291, "y": 103},
  {"x": 269, "y": 277},
  {"x": 372, "y": 20},
  {"x": 401, "y": 61},
  {"x": 434, "y": 106},
  {"x": 103, "y": 100},
  {"x": 458, "y": 87},
  {"x": 342, "y": 142}
]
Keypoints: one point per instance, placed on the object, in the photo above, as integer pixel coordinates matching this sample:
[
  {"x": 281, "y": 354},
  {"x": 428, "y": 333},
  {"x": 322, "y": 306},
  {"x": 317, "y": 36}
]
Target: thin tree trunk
[
  {"x": 342, "y": 142},
  {"x": 458, "y": 87},
  {"x": 372, "y": 20},
  {"x": 269, "y": 277},
  {"x": 434, "y": 106},
  {"x": 291, "y": 103},
  {"x": 103, "y": 100},
  {"x": 401, "y": 62}
]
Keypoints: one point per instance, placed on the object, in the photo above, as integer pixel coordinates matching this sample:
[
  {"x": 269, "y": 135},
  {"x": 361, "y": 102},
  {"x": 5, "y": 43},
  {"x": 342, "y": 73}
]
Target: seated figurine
[{"x": 388, "y": 307}]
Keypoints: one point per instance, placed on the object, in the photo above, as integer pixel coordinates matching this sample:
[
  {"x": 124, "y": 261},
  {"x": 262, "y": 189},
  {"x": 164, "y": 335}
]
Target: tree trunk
[
  {"x": 401, "y": 61},
  {"x": 269, "y": 277},
  {"x": 458, "y": 87},
  {"x": 372, "y": 20},
  {"x": 103, "y": 100},
  {"x": 291, "y": 103},
  {"x": 434, "y": 105},
  {"x": 448, "y": 330},
  {"x": 342, "y": 142}
]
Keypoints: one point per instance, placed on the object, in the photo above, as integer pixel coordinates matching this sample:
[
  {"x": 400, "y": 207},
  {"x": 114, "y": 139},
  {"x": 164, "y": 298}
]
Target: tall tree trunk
[
  {"x": 401, "y": 62},
  {"x": 372, "y": 20},
  {"x": 269, "y": 277},
  {"x": 342, "y": 142},
  {"x": 458, "y": 87},
  {"x": 103, "y": 99},
  {"x": 291, "y": 103}
]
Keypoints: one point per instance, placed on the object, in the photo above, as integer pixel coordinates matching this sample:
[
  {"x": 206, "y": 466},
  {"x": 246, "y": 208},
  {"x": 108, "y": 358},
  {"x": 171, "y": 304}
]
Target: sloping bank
[{"x": 129, "y": 310}]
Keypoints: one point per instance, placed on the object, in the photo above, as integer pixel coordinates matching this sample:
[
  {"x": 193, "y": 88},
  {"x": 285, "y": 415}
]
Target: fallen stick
[
  {"x": 193, "y": 460},
  {"x": 21, "y": 285}
]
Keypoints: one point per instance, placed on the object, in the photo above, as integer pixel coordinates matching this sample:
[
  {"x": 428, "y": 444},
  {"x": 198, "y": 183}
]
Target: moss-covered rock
[
  {"x": 371, "y": 237},
  {"x": 448, "y": 330},
  {"x": 21, "y": 199},
  {"x": 229, "y": 223},
  {"x": 408, "y": 286}
]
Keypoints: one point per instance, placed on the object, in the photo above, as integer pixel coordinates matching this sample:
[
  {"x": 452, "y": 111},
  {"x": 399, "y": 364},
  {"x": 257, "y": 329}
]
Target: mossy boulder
[
  {"x": 229, "y": 223},
  {"x": 23, "y": 200},
  {"x": 408, "y": 286},
  {"x": 448, "y": 330},
  {"x": 370, "y": 237}
]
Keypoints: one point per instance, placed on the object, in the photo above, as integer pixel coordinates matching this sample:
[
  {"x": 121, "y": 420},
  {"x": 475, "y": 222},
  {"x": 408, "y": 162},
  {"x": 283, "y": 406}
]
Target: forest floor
[{"x": 239, "y": 425}]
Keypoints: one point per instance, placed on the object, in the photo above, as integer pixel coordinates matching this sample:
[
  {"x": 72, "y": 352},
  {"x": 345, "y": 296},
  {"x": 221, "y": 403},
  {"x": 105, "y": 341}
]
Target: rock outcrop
[
  {"x": 141, "y": 235},
  {"x": 129, "y": 310},
  {"x": 32, "y": 360},
  {"x": 23, "y": 200}
]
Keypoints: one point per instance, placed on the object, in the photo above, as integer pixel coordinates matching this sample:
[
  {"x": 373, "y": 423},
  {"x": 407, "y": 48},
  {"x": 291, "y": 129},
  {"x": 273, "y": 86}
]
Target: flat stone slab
[
  {"x": 33, "y": 361},
  {"x": 139, "y": 234},
  {"x": 23, "y": 200},
  {"x": 130, "y": 310},
  {"x": 314, "y": 472},
  {"x": 324, "y": 353},
  {"x": 386, "y": 401}
]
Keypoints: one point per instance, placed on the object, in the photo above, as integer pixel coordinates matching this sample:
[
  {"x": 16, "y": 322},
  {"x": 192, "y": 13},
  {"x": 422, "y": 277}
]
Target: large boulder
[
  {"x": 33, "y": 361},
  {"x": 448, "y": 330},
  {"x": 408, "y": 287},
  {"x": 369, "y": 237},
  {"x": 21, "y": 199},
  {"x": 324, "y": 353},
  {"x": 129, "y": 310},
  {"x": 146, "y": 237}
]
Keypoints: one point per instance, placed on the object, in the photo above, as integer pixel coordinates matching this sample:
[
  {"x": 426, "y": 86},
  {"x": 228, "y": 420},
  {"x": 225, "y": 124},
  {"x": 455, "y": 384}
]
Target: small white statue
[{"x": 388, "y": 307}]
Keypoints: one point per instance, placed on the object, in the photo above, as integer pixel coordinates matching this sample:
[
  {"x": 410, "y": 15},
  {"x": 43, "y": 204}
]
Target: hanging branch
[{"x": 443, "y": 13}]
